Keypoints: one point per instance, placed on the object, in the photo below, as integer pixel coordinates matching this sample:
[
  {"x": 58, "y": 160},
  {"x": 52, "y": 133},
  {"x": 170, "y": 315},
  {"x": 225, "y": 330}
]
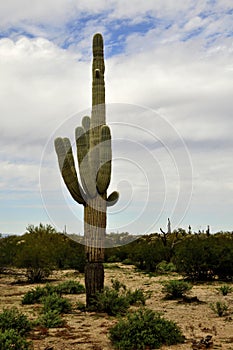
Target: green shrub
[
  {"x": 176, "y": 289},
  {"x": 37, "y": 274},
  {"x": 34, "y": 296},
  {"x": 127, "y": 262},
  {"x": 136, "y": 297},
  {"x": 111, "y": 302},
  {"x": 220, "y": 308},
  {"x": 225, "y": 289},
  {"x": 144, "y": 329},
  {"x": 50, "y": 319},
  {"x": 146, "y": 254},
  {"x": 70, "y": 287},
  {"x": 165, "y": 267},
  {"x": 117, "y": 299},
  {"x": 11, "y": 339},
  {"x": 55, "y": 302},
  {"x": 117, "y": 285},
  {"x": 14, "y": 319},
  {"x": 203, "y": 258}
]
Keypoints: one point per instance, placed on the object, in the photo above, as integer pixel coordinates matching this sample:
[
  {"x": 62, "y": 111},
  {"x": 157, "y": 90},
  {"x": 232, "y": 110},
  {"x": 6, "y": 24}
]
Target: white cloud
[
  {"x": 13, "y": 11},
  {"x": 41, "y": 85},
  {"x": 187, "y": 81}
]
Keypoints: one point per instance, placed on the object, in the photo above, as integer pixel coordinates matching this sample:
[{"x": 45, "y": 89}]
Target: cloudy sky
[{"x": 169, "y": 95}]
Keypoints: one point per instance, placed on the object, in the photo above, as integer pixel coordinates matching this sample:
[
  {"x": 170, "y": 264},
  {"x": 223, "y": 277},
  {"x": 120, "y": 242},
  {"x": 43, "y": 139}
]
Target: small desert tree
[{"x": 34, "y": 252}]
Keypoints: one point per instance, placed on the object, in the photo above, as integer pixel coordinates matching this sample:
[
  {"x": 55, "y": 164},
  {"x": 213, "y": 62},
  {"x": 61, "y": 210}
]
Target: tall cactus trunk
[
  {"x": 94, "y": 230},
  {"x": 93, "y": 140}
]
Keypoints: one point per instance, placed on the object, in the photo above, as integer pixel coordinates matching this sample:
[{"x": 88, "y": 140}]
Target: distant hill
[{"x": 4, "y": 235}]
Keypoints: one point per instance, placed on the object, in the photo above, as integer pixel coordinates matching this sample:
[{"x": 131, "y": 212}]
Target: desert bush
[
  {"x": 54, "y": 302},
  {"x": 204, "y": 258},
  {"x": 34, "y": 296},
  {"x": 117, "y": 299},
  {"x": 117, "y": 285},
  {"x": 176, "y": 289},
  {"x": 136, "y": 297},
  {"x": 37, "y": 274},
  {"x": 225, "y": 289},
  {"x": 34, "y": 253},
  {"x": 70, "y": 287},
  {"x": 165, "y": 267},
  {"x": 127, "y": 262},
  {"x": 50, "y": 319},
  {"x": 220, "y": 308},
  {"x": 8, "y": 251},
  {"x": 144, "y": 329},
  {"x": 42, "y": 249},
  {"x": 111, "y": 302},
  {"x": 146, "y": 254},
  {"x": 11, "y": 339},
  {"x": 14, "y": 319}
]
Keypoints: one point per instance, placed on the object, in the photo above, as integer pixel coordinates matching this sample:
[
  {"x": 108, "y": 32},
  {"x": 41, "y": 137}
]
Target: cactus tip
[{"x": 98, "y": 43}]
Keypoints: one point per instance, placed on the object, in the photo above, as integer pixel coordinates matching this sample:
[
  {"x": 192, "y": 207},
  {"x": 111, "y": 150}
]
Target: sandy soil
[{"x": 89, "y": 331}]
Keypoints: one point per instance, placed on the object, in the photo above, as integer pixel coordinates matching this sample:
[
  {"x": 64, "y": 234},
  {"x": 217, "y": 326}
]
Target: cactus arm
[
  {"x": 105, "y": 156},
  {"x": 86, "y": 173},
  {"x": 86, "y": 122},
  {"x": 67, "y": 168},
  {"x": 112, "y": 199}
]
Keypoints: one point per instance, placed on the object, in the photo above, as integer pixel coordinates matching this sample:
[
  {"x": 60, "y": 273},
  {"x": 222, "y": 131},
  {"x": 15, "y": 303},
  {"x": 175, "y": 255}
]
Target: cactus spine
[{"x": 93, "y": 141}]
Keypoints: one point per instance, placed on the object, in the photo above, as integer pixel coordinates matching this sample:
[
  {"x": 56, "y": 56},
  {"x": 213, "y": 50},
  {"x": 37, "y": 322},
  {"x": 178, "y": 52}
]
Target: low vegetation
[
  {"x": 225, "y": 289},
  {"x": 196, "y": 257},
  {"x": 199, "y": 256},
  {"x": 176, "y": 289},
  {"x": 144, "y": 329},
  {"x": 54, "y": 302},
  {"x": 10, "y": 339},
  {"x": 220, "y": 308},
  {"x": 50, "y": 319},
  {"x": 68, "y": 287},
  {"x": 14, "y": 319},
  {"x": 14, "y": 326},
  {"x": 39, "y": 251},
  {"x": 117, "y": 299}
]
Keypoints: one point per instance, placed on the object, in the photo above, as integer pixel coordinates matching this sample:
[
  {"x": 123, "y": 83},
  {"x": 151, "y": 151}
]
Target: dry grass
[{"x": 89, "y": 331}]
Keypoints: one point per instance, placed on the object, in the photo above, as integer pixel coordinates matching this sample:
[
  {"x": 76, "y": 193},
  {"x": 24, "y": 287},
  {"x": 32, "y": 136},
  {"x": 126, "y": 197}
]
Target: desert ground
[{"x": 89, "y": 330}]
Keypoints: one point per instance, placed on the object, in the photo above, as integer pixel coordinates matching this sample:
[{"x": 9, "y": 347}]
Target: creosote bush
[
  {"x": 34, "y": 296},
  {"x": 220, "y": 308},
  {"x": 11, "y": 339},
  {"x": 176, "y": 289},
  {"x": 55, "y": 302},
  {"x": 14, "y": 325},
  {"x": 225, "y": 289},
  {"x": 68, "y": 287},
  {"x": 117, "y": 299},
  {"x": 165, "y": 267},
  {"x": 50, "y": 319},
  {"x": 144, "y": 329},
  {"x": 14, "y": 319}
]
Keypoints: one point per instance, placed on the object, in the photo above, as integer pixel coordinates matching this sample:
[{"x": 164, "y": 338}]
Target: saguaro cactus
[{"x": 93, "y": 141}]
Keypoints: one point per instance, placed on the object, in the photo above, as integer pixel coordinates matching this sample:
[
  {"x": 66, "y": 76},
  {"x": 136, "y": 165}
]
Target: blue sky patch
[{"x": 192, "y": 34}]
